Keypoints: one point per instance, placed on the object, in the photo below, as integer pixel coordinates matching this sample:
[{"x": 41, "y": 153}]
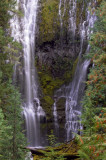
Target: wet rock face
[
  {"x": 61, "y": 109},
  {"x": 49, "y": 52},
  {"x": 58, "y": 33},
  {"x": 58, "y": 44},
  {"x": 55, "y": 37}
]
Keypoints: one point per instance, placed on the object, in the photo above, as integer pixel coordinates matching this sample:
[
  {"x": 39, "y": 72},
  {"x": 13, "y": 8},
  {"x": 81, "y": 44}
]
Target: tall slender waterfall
[
  {"x": 73, "y": 105},
  {"x": 61, "y": 14},
  {"x": 55, "y": 117},
  {"x": 72, "y": 18},
  {"x": 24, "y": 31}
]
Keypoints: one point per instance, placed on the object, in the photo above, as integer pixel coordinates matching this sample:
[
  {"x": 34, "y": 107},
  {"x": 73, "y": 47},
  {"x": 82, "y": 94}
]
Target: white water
[
  {"x": 73, "y": 106},
  {"x": 72, "y": 17},
  {"x": 55, "y": 116},
  {"x": 61, "y": 14},
  {"x": 24, "y": 31}
]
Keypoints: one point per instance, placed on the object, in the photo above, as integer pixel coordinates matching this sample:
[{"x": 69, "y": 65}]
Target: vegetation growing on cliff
[
  {"x": 49, "y": 24},
  {"x": 92, "y": 142},
  {"x": 52, "y": 78}
]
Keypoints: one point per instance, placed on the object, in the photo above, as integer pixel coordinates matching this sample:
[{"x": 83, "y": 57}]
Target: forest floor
[{"x": 67, "y": 150}]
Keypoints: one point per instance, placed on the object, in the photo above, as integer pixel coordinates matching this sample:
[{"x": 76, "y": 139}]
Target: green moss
[
  {"x": 49, "y": 23},
  {"x": 61, "y": 103},
  {"x": 49, "y": 100},
  {"x": 48, "y": 83},
  {"x": 68, "y": 75},
  {"x": 74, "y": 67},
  {"x": 80, "y": 14},
  {"x": 68, "y": 150}
]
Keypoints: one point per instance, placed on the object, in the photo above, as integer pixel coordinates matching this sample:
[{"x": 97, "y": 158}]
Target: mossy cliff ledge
[{"x": 56, "y": 53}]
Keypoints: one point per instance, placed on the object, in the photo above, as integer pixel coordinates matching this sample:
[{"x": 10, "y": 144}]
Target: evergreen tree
[
  {"x": 4, "y": 130},
  {"x": 12, "y": 147},
  {"x": 12, "y": 140}
]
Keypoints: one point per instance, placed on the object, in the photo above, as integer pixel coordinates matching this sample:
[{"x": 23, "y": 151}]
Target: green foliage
[
  {"x": 52, "y": 139},
  {"x": 12, "y": 140},
  {"x": 15, "y": 141},
  {"x": 52, "y": 154},
  {"x": 49, "y": 100},
  {"x": 92, "y": 142},
  {"x": 48, "y": 85},
  {"x": 80, "y": 13},
  {"x": 7, "y": 10},
  {"x": 4, "y": 136},
  {"x": 5, "y": 7},
  {"x": 50, "y": 20}
]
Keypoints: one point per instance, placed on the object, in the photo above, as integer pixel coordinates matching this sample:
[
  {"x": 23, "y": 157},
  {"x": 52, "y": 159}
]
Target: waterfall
[
  {"x": 24, "y": 30},
  {"x": 61, "y": 15},
  {"x": 73, "y": 105},
  {"x": 55, "y": 117},
  {"x": 75, "y": 90},
  {"x": 72, "y": 17}
]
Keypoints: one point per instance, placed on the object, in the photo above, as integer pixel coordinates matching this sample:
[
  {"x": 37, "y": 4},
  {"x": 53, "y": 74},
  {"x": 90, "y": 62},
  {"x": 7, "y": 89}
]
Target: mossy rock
[
  {"x": 61, "y": 111},
  {"x": 61, "y": 103},
  {"x": 68, "y": 150},
  {"x": 47, "y": 106},
  {"x": 49, "y": 23},
  {"x": 49, "y": 100},
  {"x": 74, "y": 66},
  {"x": 67, "y": 76},
  {"x": 49, "y": 84},
  {"x": 80, "y": 14}
]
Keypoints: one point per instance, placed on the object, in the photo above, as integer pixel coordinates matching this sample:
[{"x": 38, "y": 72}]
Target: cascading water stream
[
  {"x": 24, "y": 31},
  {"x": 74, "y": 92},
  {"x": 73, "y": 106},
  {"x": 61, "y": 15},
  {"x": 72, "y": 18},
  {"x": 55, "y": 117}
]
